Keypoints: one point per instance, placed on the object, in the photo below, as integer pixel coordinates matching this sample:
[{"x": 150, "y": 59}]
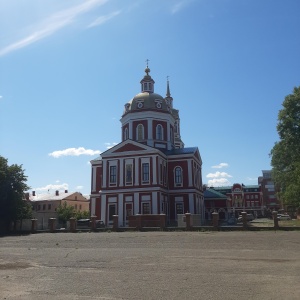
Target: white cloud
[
  {"x": 221, "y": 165},
  {"x": 218, "y": 174},
  {"x": 179, "y": 6},
  {"x": 251, "y": 179},
  {"x": 55, "y": 187},
  {"x": 218, "y": 182},
  {"x": 52, "y": 24},
  {"x": 74, "y": 152},
  {"x": 1, "y": 97},
  {"x": 110, "y": 145},
  {"x": 79, "y": 187},
  {"x": 103, "y": 19}
]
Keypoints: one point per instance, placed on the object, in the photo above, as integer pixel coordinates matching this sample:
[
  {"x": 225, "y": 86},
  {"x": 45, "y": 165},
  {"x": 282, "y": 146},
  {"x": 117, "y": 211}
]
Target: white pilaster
[
  {"x": 130, "y": 130},
  {"x": 136, "y": 203},
  {"x": 154, "y": 203},
  {"x": 154, "y": 170},
  {"x": 94, "y": 174},
  {"x": 136, "y": 171},
  {"x": 104, "y": 173},
  {"x": 150, "y": 133},
  {"x": 121, "y": 209},
  {"x": 121, "y": 171},
  {"x": 103, "y": 207},
  {"x": 191, "y": 204},
  {"x": 190, "y": 172},
  {"x": 93, "y": 206}
]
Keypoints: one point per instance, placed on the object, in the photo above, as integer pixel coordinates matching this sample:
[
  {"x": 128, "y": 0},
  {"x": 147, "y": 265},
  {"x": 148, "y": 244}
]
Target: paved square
[{"x": 151, "y": 265}]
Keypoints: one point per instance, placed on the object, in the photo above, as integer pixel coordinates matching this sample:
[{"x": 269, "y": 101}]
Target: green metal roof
[{"x": 211, "y": 193}]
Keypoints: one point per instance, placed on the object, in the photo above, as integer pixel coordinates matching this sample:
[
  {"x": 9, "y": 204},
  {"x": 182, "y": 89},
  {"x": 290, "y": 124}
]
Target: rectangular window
[
  {"x": 145, "y": 172},
  {"x": 44, "y": 206},
  {"x": 128, "y": 174},
  {"x": 111, "y": 211},
  {"x": 49, "y": 206},
  {"x": 179, "y": 208},
  {"x": 178, "y": 176},
  {"x": 128, "y": 210},
  {"x": 113, "y": 174},
  {"x": 146, "y": 208}
]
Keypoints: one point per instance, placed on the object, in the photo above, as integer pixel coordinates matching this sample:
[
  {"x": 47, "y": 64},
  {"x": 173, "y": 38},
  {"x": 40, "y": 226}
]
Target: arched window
[
  {"x": 140, "y": 132},
  {"x": 159, "y": 132},
  {"x": 126, "y": 134},
  {"x": 178, "y": 176}
]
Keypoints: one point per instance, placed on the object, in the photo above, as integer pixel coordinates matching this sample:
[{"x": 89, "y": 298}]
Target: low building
[
  {"x": 215, "y": 201},
  {"x": 45, "y": 205},
  {"x": 269, "y": 191},
  {"x": 242, "y": 197}
]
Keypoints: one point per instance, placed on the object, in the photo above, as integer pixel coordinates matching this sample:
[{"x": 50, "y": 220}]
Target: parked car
[
  {"x": 83, "y": 223},
  {"x": 231, "y": 221},
  {"x": 86, "y": 224},
  {"x": 250, "y": 217},
  {"x": 284, "y": 217},
  {"x": 100, "y": 224}
]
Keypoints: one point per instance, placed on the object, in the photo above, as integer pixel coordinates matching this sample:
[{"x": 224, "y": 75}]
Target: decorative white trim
[
  {"x": 191, "y": 204},
  {"x": 190, "y": 172},
  {"x": 104, "y": 178}
]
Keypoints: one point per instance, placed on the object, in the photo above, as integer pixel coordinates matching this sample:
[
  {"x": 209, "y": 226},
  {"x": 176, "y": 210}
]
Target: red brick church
[{"x": 149, "y": 171}]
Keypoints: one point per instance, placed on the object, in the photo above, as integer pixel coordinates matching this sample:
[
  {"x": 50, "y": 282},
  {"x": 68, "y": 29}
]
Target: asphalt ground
[{"x": 151, "y": 265}]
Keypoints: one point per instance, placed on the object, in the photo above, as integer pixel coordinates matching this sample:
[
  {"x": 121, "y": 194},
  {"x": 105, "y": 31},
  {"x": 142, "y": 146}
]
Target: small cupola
[{"x": 147, "y": 83}]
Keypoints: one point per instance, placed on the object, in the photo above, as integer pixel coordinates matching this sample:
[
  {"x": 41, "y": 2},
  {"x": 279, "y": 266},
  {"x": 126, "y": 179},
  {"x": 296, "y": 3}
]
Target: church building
[{"x": 149, "y": 171}]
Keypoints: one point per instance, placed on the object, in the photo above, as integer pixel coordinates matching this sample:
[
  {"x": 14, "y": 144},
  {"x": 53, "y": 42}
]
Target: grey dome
[{"x": 147, "y": 101}]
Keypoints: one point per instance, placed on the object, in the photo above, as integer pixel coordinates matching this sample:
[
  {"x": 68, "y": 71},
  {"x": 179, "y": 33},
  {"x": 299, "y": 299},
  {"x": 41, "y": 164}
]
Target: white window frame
[
  {"x": 159, "y": 132},
  {"x": 128, "y": 182},
  {"x": 125, "y": 134},
  {"x": 142, "y": 206},
  {"x": 113, "y": 164},
  {"x": 142, "y": 173},
  {"x": 140, "y": 127},
  {"x": 176, "y": 184}
]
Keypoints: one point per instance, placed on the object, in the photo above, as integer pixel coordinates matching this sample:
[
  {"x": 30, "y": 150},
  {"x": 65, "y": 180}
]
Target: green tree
[
  {"x": 285, "y": 155},
  {"x": 12, "y": 188},
  {"x": 82, "y": 214},
  {"x": 65, "y": 212}
]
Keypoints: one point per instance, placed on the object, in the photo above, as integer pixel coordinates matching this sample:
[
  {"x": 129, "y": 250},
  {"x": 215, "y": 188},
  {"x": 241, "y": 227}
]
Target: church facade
[{"x": 149, "y": 171}]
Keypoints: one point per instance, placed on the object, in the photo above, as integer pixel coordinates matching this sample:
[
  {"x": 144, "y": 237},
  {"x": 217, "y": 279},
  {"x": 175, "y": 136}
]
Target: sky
[{"x": 67, "y": 68}]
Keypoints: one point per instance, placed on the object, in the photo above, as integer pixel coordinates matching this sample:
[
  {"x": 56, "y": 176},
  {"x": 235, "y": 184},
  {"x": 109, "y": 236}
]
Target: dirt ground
[{"x": 151, "y": 265}]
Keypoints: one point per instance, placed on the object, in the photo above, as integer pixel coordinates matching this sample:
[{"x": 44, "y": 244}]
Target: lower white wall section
[
  {"x": 120, "y": 209},
  {"x": 103, "y": 208},
  {"x": 93, "y": 206},
  {"x": 136, "y": 203},
  {"x": 154, "y": 203},
  {"x": 191, "y": 204}
]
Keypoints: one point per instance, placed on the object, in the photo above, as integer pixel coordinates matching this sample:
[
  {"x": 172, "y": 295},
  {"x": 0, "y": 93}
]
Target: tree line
[
  {"x": 13, "y": 203},
  {"x": 285, "y": 155}
]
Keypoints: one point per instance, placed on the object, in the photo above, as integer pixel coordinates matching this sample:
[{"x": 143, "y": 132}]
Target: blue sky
[{"x": 68, "y": 67}]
